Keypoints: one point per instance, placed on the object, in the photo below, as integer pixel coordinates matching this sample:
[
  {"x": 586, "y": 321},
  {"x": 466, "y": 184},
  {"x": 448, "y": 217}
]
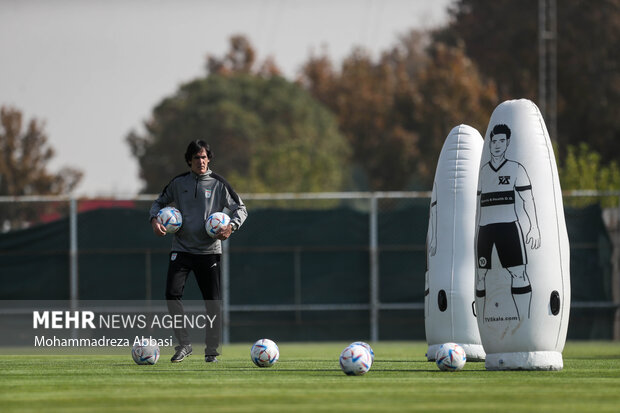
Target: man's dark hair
[
  {"x": 500, "y": 129},
  {"x": 194, "y": 147}
]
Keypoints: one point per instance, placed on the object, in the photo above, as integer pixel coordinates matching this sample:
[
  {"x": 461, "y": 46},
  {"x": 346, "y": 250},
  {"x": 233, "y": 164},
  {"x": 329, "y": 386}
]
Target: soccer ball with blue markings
[
  {"x": 265, "y": 353},
  {"x": 367, "y": 347},
  {"x": 170, "y": 218},
  {"x": 215, "y": 222},
  {"x": 355, "y": 360},
  {"x": 450, "y": 357},
  {"x": 145, "y": 352}
]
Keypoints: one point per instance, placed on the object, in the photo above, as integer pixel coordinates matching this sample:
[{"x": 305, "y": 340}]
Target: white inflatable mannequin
[
  {"x": 522, "y": 280},
  {"x": 449, "y": 294}
]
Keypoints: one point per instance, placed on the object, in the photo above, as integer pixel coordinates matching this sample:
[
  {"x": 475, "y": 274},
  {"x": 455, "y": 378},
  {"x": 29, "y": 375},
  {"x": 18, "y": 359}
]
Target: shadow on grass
[
  {"x": 595, "y": 357},
  {"x": 402, "y": 361}
]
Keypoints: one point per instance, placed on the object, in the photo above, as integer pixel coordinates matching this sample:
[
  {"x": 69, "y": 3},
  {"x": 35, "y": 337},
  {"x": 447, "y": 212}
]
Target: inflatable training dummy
[
  {"x": 449, "y": 295},
  {"x": 522, "y": 251}
]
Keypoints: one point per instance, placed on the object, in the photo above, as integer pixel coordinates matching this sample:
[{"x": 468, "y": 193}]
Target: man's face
[
  {"x": 499, "y": 144},
  {"x": 200, "y": 162}
]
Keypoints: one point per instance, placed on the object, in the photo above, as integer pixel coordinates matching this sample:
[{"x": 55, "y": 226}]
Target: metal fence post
[
  {"x": 615, "y": 278},
  {"x": 225, "y": 293},
  {"x": 73, "y": 260},
  {"x": 374, "y": 269},
  {"x": 297, "y": 283},
  {"x": 148, "y": 283},
  {"x": 73, "y": 253}
]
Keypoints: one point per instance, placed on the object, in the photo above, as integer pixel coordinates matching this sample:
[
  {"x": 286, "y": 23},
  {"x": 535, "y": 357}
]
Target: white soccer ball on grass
[
  {"x": 450, "y": 357},
  {"x": 265, "y": 353},
  {"x": 215, "y": 222},
  {"x": 355, "y": 360},
  {"x": 170, "y": 218},
  {"x": 145, "y": 352},
  {"x": 367, "y": 347}
]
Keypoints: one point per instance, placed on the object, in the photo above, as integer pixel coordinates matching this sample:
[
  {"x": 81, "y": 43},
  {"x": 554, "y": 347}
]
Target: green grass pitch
[{"x": 307, "y": 378}]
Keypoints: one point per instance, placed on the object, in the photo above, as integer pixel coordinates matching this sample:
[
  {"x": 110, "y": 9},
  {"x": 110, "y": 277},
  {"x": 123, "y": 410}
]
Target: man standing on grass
[{"x": 197, "y": 194}]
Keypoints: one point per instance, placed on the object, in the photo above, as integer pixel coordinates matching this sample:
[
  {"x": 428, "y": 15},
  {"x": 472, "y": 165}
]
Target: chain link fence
[{"x": 306, "y": 266}]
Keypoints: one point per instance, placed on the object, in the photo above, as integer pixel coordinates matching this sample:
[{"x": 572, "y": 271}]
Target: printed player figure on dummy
[
  {"x": 523, "y": 269},
  {"x": 498, "y": 223}
]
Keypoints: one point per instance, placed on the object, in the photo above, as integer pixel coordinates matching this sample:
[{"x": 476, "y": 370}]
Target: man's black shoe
[
  {"x": 210, "y": 359},
  {"x": 181, "y": 352}
]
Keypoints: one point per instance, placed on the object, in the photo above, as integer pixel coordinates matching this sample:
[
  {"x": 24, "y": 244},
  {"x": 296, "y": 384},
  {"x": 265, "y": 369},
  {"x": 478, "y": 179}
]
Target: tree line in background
[
  {"x": 24, "y": 156},
  {"x": 370, "y": 124},
  {"x": 384, "y": 121}
]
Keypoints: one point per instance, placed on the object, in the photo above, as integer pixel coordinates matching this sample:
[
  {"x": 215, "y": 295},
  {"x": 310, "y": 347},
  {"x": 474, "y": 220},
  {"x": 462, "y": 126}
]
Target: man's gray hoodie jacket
[{"x": 197, "y": 197}]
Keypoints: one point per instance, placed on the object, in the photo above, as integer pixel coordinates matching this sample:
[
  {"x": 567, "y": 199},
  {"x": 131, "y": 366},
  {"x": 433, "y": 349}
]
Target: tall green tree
[
  {"x": 501, "y": 38},
  {"x": 583, "y": 168},
  {"x": 267, "y": 134}
]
